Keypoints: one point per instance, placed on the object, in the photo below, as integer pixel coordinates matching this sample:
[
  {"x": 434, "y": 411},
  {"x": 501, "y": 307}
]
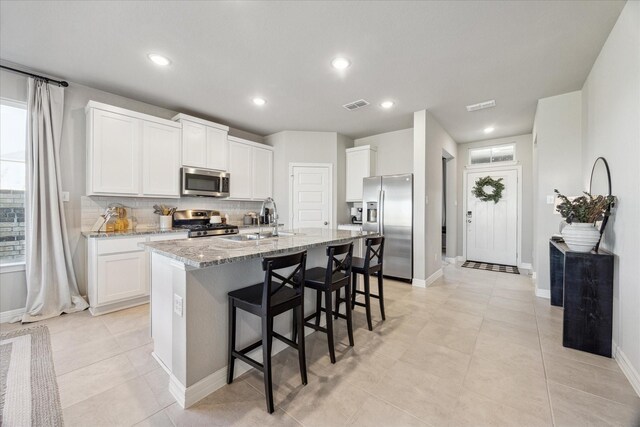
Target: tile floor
[{"x": 475, "y": 348}]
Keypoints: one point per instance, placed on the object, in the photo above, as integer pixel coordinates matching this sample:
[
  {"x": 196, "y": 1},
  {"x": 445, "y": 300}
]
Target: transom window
[
  {"x": 13, "y": 136},
  {"x": 494, "y": 154}
]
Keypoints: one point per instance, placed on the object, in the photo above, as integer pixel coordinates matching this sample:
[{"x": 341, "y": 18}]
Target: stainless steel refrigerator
[{"x": 387, "y": 202}]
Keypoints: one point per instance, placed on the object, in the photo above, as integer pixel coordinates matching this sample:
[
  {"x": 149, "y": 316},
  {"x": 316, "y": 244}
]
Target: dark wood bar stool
[
  {"x": 276, "y": 295},
  {"x": 370, "y": 265},
  {"x": 326, "y": 281}
]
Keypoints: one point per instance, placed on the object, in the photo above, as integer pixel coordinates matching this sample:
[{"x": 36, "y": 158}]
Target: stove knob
[{"x": 199, "y": 233}]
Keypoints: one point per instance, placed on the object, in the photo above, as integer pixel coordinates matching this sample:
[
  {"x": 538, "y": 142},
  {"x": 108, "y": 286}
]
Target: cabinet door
[
  {"x": 358, "y": 167},
  {"x": 217, "y": 151},
  {"x": 194, "y": 145},
  {"x": 160, "y": 160},
  {"x": 115, "y": 152},
  {"x": 262, "y": 166},
  {"x": 241, "y": 171},
  {"x": 122, "y": 276}
]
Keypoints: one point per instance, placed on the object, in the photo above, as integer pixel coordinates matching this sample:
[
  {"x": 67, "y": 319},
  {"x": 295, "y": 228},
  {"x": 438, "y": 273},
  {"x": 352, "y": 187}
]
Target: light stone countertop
[
  {"x": 129, "y": 233},
  {"x": 202, "y": 252}
]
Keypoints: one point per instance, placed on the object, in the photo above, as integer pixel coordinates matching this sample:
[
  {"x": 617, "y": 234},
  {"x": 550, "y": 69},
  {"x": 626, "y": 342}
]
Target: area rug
[
  {"x": 28, "y": 388},
  {"x": 491, "y": 267}
]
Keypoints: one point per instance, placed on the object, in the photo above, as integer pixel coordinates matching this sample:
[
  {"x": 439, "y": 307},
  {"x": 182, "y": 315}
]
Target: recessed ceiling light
[
  {"x": 340, "y": 63},
  {"x": 159, "y": 59},
  {"x": 259, "y": 101},
  {"x": 489, "y": 129},
  {"x": 387, "y": 104}
]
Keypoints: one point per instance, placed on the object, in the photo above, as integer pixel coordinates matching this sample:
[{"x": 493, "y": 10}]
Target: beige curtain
[{"x": 51, "y": 282}]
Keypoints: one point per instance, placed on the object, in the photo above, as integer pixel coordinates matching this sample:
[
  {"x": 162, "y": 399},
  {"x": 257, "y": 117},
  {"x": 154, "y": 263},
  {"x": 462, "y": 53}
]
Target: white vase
[{"x": 581, "y": 236}]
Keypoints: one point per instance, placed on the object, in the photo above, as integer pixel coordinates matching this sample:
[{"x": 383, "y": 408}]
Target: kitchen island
[{"x": 190, "y": 280}]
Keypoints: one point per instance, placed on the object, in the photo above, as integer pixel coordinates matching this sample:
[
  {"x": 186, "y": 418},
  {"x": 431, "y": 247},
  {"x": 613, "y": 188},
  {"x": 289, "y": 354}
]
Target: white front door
[
  {"x": 492, "y": 227},
  {"x": 310, "y": 196}
]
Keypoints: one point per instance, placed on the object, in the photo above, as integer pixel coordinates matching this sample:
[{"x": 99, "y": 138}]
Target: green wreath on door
[{"x": 487, "y": 181}]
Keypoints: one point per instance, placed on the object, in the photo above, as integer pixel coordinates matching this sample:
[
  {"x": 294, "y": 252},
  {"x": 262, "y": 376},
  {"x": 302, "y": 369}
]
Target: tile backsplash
[{"x": 142, "y": 208}]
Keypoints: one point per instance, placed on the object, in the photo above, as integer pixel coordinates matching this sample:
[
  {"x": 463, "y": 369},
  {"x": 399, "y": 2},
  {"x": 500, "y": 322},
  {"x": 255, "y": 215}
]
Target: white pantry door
[
  {"x": 311, "y": 196},
  {"x": 492, "y": 227}
]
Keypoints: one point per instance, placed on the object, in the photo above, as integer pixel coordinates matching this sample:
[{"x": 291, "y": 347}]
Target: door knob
[{"x": 326, "y": 223}]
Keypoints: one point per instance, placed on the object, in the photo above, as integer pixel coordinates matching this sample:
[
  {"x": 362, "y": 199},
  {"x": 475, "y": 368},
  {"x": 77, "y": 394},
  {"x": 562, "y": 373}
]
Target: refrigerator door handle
[{"x": 382, "y": 212}]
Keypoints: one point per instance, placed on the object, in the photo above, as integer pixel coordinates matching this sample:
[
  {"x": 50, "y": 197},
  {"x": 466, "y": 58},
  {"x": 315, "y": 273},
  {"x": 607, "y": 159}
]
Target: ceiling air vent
[
  {"x": 481, "y": 105},
  {"x": 356, "y": 105}
]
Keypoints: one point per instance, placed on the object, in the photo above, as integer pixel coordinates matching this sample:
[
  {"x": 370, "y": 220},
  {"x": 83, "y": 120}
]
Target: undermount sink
[{"x": 248, "y": 237}]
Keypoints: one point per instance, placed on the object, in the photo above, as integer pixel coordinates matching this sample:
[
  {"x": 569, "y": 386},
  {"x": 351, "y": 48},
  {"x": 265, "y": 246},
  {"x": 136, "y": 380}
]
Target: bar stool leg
[
  {"x": 381, "y": 294},
  {"x": 318, "y": 307},
  {"x": 354, "y": 283},
  {"x": 267, "y": 330},
  {"x": 329, "y": 317},
  {"x": 347, "y": 297},
  {"x": 294, "y": 327},
  {"x": 338, "y": 296},
  {"x": 232, "y": 342},
  {"x": 299, "y": 312},
  {"x": 367, "y": 300}
]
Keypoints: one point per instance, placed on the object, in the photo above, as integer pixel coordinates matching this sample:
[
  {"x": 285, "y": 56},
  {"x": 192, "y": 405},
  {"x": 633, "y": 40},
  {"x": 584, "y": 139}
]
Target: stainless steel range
[{"x": 199, "y": 225}]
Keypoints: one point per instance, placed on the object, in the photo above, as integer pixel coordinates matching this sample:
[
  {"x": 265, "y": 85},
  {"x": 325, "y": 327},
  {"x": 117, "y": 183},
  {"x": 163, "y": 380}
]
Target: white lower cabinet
[
  {"x": 122, "y": 276},
  {"x": 119, "y": 271}
]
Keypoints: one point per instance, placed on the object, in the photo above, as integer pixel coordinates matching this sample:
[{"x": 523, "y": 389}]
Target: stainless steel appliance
[
  {"x": 356, "y": 215},
  {"x": 388, "y": 204},
  {"x": 199, "y": 225},
  {"x": 204, "y": 182}
]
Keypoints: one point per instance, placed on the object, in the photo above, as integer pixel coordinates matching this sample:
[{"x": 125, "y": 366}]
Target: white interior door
[
  {"x": 311, "y": 196},
  {"x": 492, "y": 234}
]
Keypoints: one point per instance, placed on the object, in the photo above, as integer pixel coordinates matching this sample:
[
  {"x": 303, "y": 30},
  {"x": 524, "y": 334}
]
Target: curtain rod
[{"x": 46, "y": 79}]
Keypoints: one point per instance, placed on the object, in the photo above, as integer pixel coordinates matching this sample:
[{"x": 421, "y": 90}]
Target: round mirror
[{"x": 600, "y": 184}]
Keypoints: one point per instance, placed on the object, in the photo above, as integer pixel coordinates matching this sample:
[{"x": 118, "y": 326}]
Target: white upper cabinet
[
  {"x": 217, "y": 149},
  {"x": 251, "y": 169},
  {"x": 204, "y": 143},
  {"x": 114, "y": 152},
  {"x": 160, "y": 160},
  {"x": 361, "y": 163},
  {"x": 262, "y": 166},
  {"x": 130, "y": 153},
  {"x": 194, "y": 145}
]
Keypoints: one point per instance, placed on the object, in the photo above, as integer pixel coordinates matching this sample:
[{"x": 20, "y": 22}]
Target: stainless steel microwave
[{"x": 204, "y": 182}]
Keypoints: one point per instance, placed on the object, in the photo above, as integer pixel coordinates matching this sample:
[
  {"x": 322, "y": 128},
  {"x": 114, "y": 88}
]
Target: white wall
[
  {"x": 524, "y": 156},
  {"x": 557, "y": 164},
  {"x": 611, "y": 129},
  {"x": 430, "y": 139},
  {"x": 308, "y": 147},
  {"x": 395, "y": 151}
]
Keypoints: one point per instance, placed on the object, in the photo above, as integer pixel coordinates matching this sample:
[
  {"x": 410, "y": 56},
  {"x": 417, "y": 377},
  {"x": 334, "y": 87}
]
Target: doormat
[
  {"x": 491, "y": 267},
  {"x": 28, "y": 389}
]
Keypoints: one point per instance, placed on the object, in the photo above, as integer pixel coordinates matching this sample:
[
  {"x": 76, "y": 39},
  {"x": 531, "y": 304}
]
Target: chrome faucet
[{"x": 270, "y": 203}]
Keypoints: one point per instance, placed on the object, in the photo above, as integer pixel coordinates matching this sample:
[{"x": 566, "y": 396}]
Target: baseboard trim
[
  {"x": 116, "y": 306},
  {"x": 9, "y": 315},
  {"x": 526, "y": 266},
  {"x": 433, "y": 277},
  {"x": 188, "y": 396},
  {"x": 460, "y": 258},
  {"x": 627, "y": 368},
  {"x": 450, "y": 260},
  {"x": 543, "y": 293},
  {"x": 418, "y": 283}
]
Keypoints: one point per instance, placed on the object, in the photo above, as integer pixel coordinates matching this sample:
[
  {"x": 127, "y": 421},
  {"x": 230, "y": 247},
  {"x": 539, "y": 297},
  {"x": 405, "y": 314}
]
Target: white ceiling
[{"x": 435, "y": 55}]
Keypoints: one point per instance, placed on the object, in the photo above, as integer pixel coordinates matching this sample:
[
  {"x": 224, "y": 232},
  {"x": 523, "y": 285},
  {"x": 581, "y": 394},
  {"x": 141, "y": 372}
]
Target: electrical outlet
[
  {"x": 177, "y": 304},
  {"x": 435, "y": 257},
  {"x": 65, "y": 196},
  {"x": 551, "y": 200}
]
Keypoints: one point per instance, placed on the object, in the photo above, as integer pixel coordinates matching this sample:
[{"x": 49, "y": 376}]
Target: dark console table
[{"x": 582, "y": 283}]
